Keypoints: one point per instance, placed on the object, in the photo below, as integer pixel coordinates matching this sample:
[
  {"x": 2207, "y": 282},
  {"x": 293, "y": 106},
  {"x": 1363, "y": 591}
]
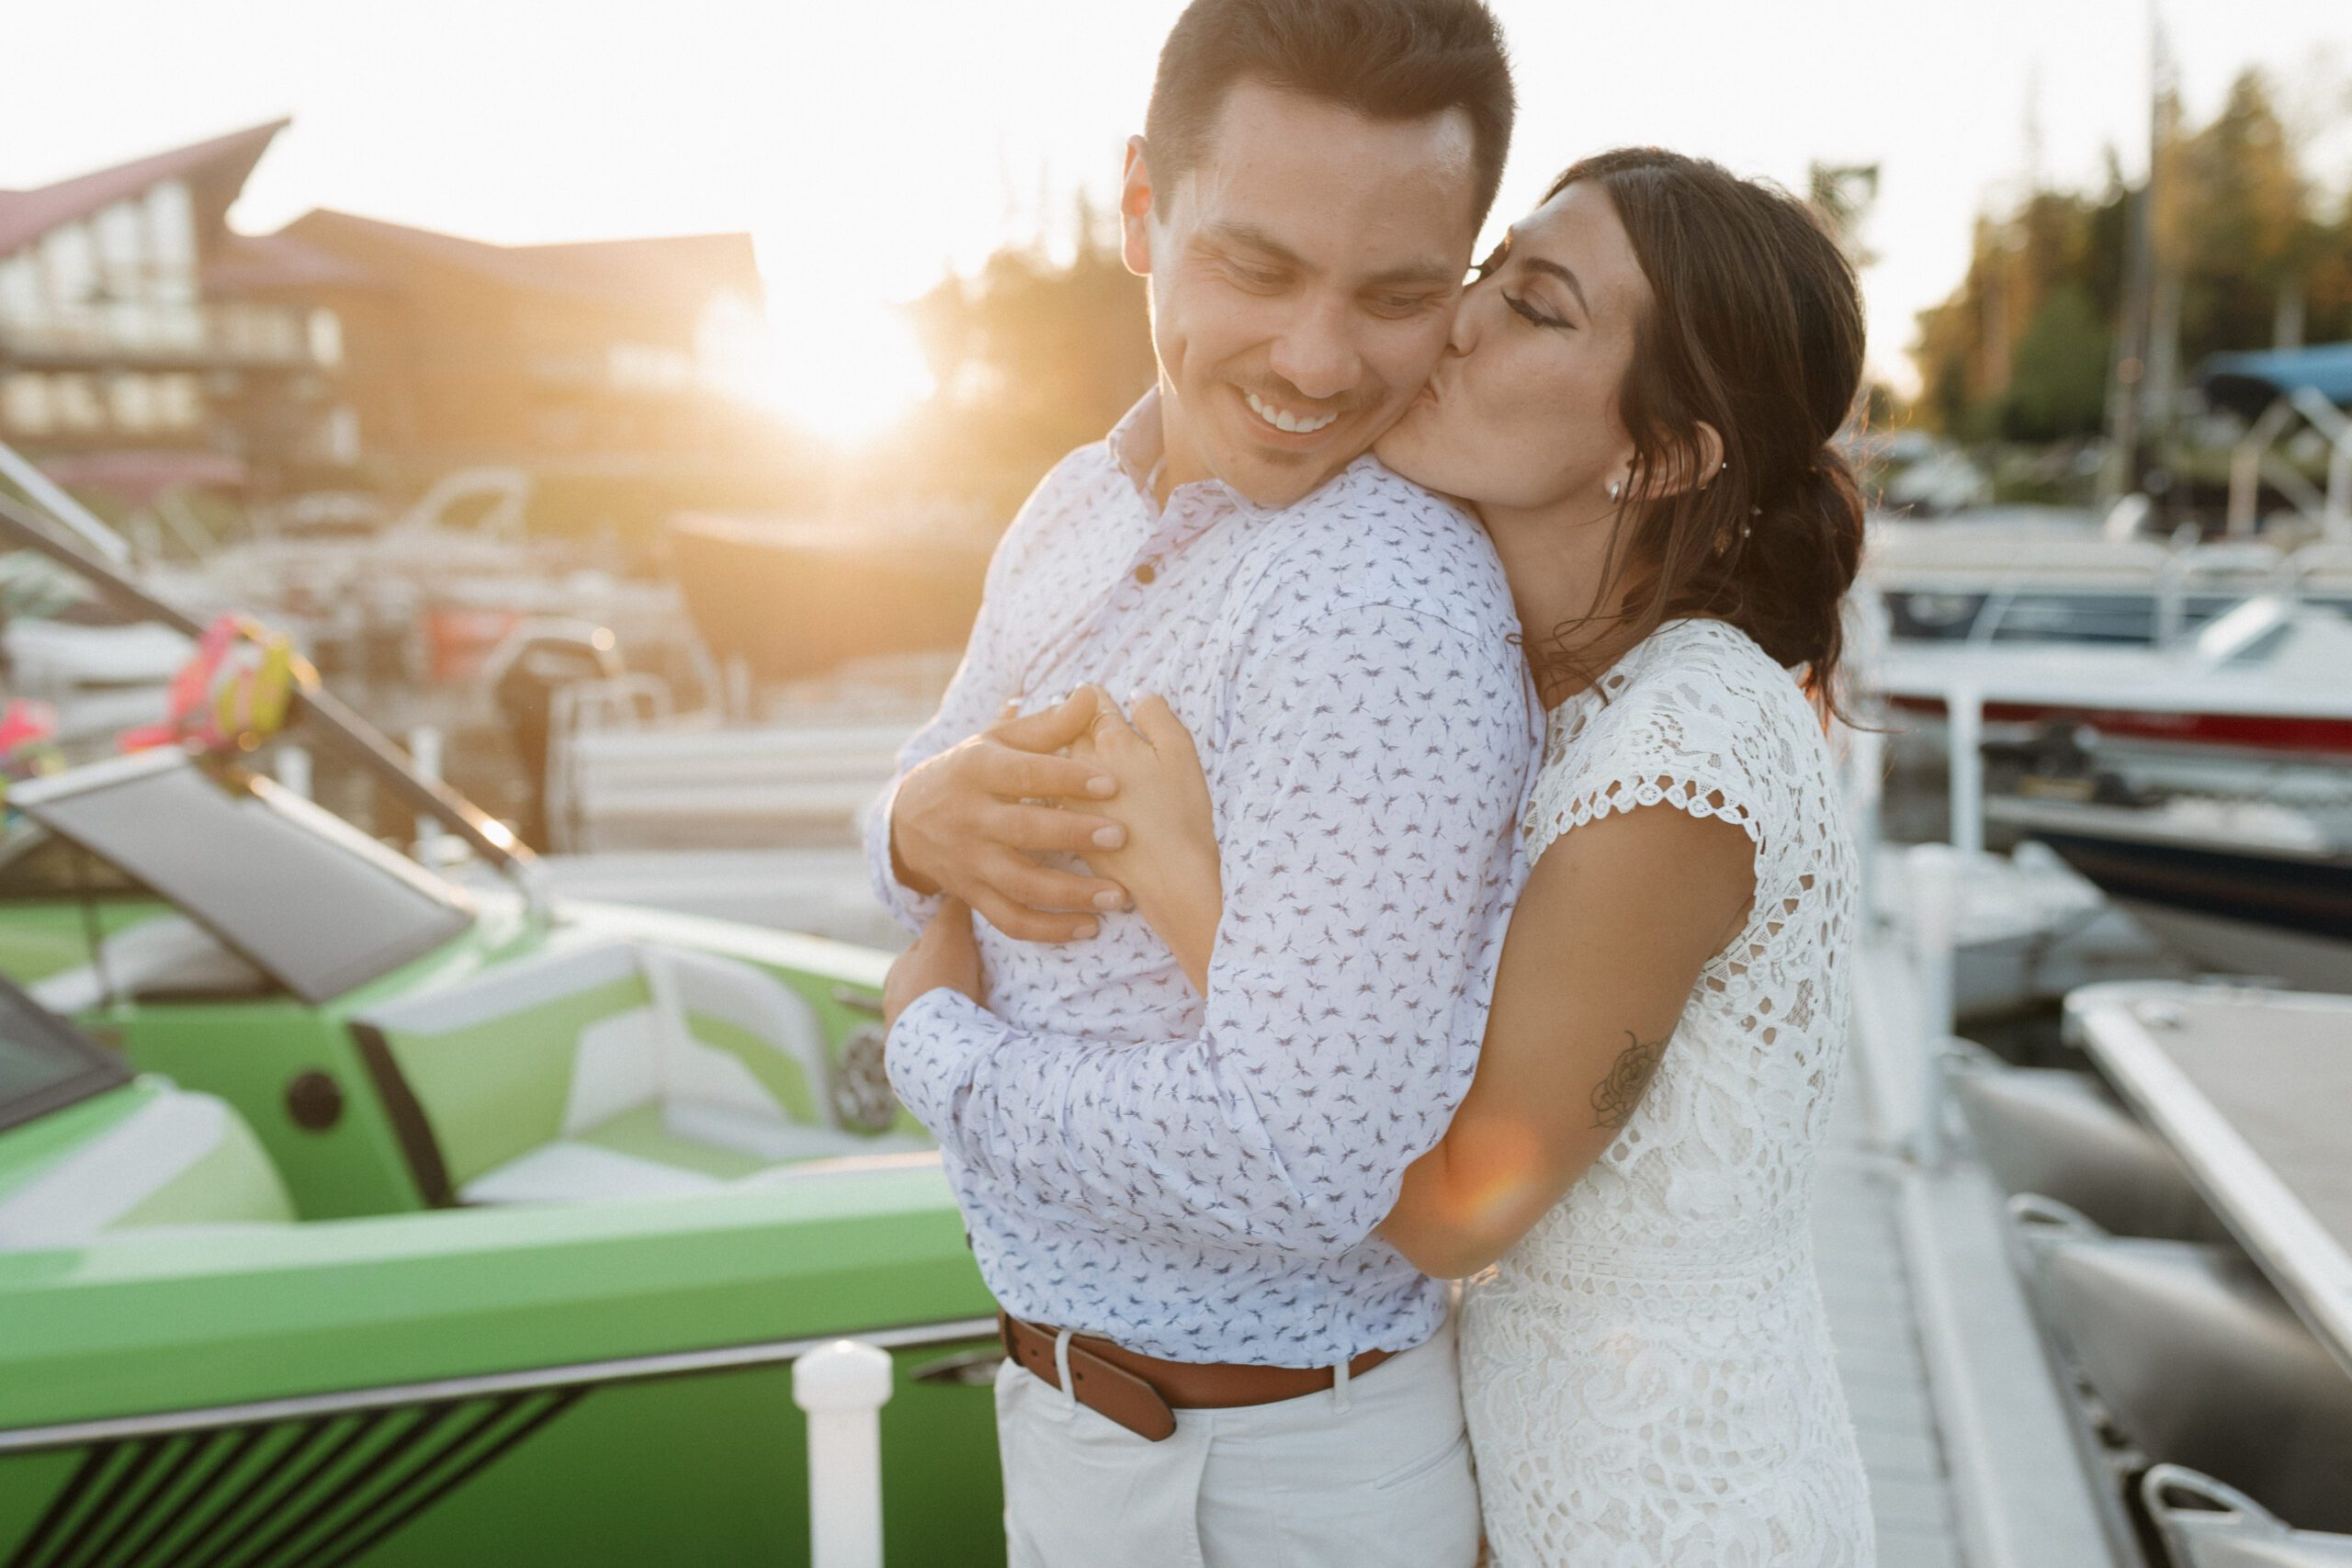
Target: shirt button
[{"x": 1146, "y": 572}]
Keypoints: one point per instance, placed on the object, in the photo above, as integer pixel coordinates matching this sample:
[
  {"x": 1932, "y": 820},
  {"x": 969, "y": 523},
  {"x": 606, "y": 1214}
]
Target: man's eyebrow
[
  {"x": 1257, "y": 238},
  {"x": 1429, "y": 273}
]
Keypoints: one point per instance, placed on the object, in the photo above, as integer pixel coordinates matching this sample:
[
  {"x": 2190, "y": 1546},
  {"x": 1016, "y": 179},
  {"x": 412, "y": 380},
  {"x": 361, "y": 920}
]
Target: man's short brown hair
[{"x": 1387, "y": 60}]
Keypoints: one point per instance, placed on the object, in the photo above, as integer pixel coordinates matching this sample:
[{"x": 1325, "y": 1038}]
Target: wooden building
[{"x": 345, "y": 349}]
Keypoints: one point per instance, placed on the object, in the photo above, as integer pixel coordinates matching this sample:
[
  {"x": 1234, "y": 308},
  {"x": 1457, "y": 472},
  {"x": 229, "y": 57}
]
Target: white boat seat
[
  {"x": 2224, "y": 1527},
  {"x": 150, "y": 1156},
  {"x": 2198, "y": 1362},
  {"x": 615, "y": 1071}
]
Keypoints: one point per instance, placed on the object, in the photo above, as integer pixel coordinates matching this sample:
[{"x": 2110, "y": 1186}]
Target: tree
[
  {"x": 1032, "y": 358},
  {"x": 2240, "y": 230},
  {"x": 2059, "y": 377}
]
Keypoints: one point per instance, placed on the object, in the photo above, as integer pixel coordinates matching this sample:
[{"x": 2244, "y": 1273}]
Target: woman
[{"x": 1638, "y": 399}]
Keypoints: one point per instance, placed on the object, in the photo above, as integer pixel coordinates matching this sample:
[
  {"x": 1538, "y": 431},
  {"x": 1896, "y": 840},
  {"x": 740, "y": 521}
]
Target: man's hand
[
  {"x": 970, "y": 823},
  {"x": 944, "y": 955}
]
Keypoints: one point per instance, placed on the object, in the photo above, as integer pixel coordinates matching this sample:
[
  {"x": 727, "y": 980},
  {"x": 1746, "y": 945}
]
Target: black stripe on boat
[
  {"x": 418, "y": 1144},
  {"x": 2314, "y": 896},
  {"x": 320, "y": 1492}
]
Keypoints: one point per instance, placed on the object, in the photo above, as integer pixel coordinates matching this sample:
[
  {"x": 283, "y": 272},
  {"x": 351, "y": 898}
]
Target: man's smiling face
[{"x": 1304, "y": 274}]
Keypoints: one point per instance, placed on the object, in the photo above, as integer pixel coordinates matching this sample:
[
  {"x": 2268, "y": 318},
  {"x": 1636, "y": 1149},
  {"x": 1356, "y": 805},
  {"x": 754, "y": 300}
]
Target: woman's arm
[
  {"x": 1618, "y": 919},
  {"x": 1170, "y": 864}
]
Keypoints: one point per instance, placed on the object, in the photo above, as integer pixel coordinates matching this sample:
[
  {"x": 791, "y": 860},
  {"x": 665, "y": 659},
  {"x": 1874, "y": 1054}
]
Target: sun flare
[{"x": 847, "y": 372}]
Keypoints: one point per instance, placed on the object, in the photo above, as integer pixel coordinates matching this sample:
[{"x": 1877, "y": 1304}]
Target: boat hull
[{"x": 2280, "y": 917}]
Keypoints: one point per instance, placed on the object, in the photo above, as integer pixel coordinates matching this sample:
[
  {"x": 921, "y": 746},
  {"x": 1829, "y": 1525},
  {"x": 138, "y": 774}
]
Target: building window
[
  {"x": 179, "y": 403},
  {"x": 326, "y": 337},
  {"x": 20, "y": 291},
  {"x": 122, "y": 248},
  {"x": 343, "y": 435},
  {"x": 133, "y": 397},
  {"x": 25, "y": 405},
  {"x": 170, "y": 229},
  {"x": 71, "y": 264},
  {"x": 77, "y": 405}
]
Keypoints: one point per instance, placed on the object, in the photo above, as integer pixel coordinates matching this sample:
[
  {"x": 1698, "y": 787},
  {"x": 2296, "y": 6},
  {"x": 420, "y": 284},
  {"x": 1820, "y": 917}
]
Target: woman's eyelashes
[{"x": 1522, "y": 308}]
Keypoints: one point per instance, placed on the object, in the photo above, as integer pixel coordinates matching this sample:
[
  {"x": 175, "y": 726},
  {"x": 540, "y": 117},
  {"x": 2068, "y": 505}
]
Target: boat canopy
[
  {"x": 2249, "y": 383},
  {"x": 44, "y": 1063},
  {"x": 312, "y": 903}
]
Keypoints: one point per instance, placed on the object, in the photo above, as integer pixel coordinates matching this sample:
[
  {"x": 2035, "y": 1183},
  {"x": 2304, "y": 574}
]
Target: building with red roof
[{"x": 132, "y": 318}]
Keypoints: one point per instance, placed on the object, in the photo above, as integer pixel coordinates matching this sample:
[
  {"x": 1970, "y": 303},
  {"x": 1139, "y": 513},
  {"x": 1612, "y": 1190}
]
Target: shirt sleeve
[
  {"x": 983, "y": 682},
  {"x": 1367, "y": 779}
]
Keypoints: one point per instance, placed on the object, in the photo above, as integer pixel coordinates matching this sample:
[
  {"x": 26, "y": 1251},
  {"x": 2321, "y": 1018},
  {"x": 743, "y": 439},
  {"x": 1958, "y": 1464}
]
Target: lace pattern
[{"x": 1648, "y": 1374}]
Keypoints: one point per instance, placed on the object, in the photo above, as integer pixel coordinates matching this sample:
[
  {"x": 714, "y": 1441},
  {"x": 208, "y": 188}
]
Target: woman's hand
[
  {"x": 1169, "y": 865},
  {"x": 944, "y": 955}
]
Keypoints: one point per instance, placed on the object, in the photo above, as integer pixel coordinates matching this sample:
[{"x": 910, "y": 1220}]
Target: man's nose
[{"x": 1317, "y": 353}]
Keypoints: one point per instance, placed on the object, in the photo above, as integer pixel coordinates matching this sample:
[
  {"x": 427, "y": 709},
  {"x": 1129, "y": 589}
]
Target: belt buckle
[{"x": 1111, "y": 1392}]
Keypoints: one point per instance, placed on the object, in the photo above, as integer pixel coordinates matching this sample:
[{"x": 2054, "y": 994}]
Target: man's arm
[
  {"x": 1370, "y": 775},
  {"x": 956, "y": 815}
]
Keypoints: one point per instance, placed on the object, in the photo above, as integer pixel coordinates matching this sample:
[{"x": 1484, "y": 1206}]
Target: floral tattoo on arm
[{"x": 1614, "y": 1097}]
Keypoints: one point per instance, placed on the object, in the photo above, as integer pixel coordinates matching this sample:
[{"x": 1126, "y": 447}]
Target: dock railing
[{"x": 844, "y": 1386}]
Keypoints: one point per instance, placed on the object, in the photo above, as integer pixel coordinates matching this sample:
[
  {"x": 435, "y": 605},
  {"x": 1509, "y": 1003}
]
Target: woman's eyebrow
[{"x": 1539, "y": 264}]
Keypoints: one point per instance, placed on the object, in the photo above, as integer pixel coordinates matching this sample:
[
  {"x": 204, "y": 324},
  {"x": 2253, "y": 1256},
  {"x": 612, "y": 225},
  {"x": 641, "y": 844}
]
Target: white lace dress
[{"x": 1648, "y": 1373}]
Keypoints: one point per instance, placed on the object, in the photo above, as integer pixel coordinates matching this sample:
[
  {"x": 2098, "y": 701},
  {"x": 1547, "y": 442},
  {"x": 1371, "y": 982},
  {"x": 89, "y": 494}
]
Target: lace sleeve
[{"x": 1637, "y": 751}]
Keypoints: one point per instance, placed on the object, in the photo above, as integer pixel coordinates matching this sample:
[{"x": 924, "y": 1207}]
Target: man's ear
[
  {"x": 1135, "y": 210},
  {"x": 1687, "y": 470}
]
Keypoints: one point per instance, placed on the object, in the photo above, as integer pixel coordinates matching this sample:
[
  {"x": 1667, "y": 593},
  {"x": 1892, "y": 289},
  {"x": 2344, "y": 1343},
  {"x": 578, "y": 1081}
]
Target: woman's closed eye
[{"x": 1522, "y": 308}]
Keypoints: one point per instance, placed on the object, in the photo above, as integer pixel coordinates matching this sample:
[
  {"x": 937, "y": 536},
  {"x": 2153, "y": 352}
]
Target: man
[{"x": 1214, "y": 1359}]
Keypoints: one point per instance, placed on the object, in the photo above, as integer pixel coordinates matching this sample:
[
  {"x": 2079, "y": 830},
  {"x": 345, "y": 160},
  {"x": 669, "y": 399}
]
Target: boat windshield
[
  {"x": 44, "y": 1064},
  {"x": 312, "y": 903}
]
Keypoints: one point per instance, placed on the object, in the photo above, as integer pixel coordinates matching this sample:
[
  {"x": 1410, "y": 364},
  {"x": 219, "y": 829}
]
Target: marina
[
  {"x": 1952, "y": 1246},
  {"x": 446, "y": 682}
]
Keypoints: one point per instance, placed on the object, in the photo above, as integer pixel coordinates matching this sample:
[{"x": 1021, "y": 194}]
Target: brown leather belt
[{"x": 1143, "y": 1392}]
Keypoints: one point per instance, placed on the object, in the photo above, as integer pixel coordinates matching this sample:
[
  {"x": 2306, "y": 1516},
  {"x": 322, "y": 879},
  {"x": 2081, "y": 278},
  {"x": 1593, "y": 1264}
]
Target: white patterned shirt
[{"x": 1200, "y": 1180}]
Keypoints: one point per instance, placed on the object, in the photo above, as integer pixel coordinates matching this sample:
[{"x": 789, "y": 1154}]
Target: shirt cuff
[
  {"x": 904, "y": 905},
  {"x": 930, "y": 1054}
]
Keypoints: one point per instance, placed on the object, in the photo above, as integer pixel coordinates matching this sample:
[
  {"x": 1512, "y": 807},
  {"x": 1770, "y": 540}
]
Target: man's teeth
[{"x": 1281, "y": 420}]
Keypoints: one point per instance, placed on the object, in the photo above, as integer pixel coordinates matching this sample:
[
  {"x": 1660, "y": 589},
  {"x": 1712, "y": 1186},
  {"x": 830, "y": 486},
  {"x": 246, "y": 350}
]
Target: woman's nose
[{"x": 1463, "y": 335}]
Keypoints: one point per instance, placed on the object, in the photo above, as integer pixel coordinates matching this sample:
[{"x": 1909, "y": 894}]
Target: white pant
[{"x": 1378, "y": 1476}]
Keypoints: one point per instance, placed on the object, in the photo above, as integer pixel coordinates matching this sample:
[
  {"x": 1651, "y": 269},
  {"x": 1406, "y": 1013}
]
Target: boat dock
[{"x": 1961, "y": 1427}]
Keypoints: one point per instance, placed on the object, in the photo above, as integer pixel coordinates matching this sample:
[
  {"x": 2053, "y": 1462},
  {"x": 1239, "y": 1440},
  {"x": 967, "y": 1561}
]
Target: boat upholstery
[
  {"x": 2062, "y": 1135},
  {"x": 2198, "y": 1362},
  {"x": 620, "y": 1070},
  {"x": 166, "y": 1158}
]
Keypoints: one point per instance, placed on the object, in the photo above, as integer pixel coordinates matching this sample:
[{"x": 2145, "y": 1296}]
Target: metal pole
[
  {"x": 323, "y": 710},
  {"x": 62, "y": 506},
  {"x": 424, "y": 755},
  {"x": 2245, "y": 467},
  {"x": 294, "y": 769},
  {"x": 844, "y": 1386},
  {"x": 1964, "y": 733}
]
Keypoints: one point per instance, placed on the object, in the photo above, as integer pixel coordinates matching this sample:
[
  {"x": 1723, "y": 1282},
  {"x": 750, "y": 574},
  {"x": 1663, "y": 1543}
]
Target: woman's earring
[{"x": 1613, "y": 488}]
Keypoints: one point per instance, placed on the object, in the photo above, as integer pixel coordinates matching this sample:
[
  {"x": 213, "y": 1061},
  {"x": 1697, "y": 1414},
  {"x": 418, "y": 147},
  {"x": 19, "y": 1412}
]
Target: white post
[
  {"x": 1964, "y": 733},
  {"x": 1934, "y": 878},
  {"x": 1866, "y": 768},
  {"x": 294, "y": 770},
  {"x": 844, "y": 1386},
  {"x": 424, "y": 753}
]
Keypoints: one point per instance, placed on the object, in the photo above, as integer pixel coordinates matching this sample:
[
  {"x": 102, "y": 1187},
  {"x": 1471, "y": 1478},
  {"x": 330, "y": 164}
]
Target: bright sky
[{"x": 869, "y": 143}]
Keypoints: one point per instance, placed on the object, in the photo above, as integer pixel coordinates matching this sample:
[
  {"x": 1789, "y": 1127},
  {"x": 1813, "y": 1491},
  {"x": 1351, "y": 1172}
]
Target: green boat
[{"x": 351, "y": 1216}]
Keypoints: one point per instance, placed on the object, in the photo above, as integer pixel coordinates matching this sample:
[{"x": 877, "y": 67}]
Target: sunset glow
[{"x": 847, "y": 373}]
